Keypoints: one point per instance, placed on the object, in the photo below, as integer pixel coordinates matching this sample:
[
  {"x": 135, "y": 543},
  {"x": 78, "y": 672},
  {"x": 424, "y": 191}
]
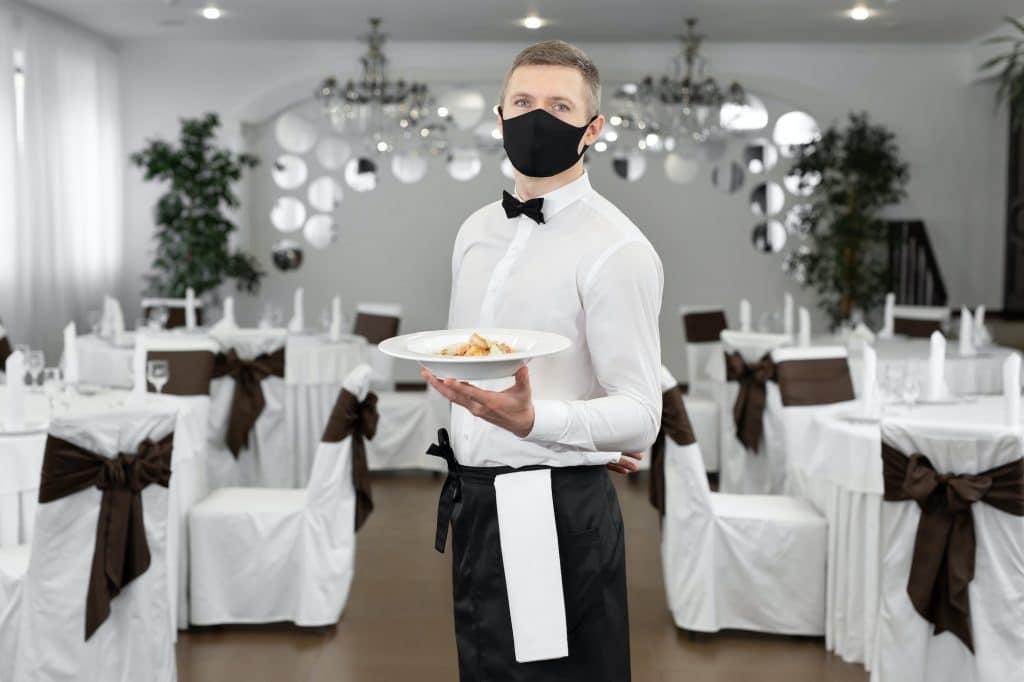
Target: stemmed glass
[
  {"x": 911, "y": 389},
  {"x": 157, "y": 373},
  {"x": 53, "y": 384},
  {"x": 36, "y": 363}
]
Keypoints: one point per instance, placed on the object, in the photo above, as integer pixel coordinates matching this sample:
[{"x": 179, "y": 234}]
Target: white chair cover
[
  {"x": 263, "y": 463},
  {"x": 268, "y": 555},
  {"x": 740, "y": 470},
  {"x": 705, "y": 367},
  {"x": 750, "y": 562},
  {"x": 136, "y": 642},
  {"x": 786, "y": 428},
  {"x": 905, "y": 648},
  {"x": 13, "y": 565}
]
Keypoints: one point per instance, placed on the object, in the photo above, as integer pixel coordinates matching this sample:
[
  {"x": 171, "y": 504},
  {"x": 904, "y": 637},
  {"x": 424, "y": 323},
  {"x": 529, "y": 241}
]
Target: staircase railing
[{"x": 914, "y": 273}]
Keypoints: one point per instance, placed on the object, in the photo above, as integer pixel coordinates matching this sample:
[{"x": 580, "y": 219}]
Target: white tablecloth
[
  {"x": 840, "y": 473},
  {"x": 21, "y": 463}
]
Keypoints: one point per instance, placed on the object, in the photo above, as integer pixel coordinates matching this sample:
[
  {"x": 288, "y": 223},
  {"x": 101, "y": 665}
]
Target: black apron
[{"x": 592, "y": 553}]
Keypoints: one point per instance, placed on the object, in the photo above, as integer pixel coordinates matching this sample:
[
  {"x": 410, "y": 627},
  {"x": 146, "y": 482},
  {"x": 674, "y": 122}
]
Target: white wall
[{"x": 944, "y": 124}]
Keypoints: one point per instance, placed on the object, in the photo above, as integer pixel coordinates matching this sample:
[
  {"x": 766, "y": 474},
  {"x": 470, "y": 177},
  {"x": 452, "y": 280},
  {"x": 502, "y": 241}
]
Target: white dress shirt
[{"x": 589, "y": 274}]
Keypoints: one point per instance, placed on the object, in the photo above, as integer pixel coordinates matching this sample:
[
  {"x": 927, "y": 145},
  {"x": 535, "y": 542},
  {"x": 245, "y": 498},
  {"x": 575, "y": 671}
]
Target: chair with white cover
[
  {"x": 705, "y": 367},
  {"x": 13, "y": 565},
  {"x": 376, "y": 322},
  {"x": 743, "y": 466},
  {"x": 952, "y": 572},
  {"x": 269, "y": 555},
  {"x": 95, "y": 599},
  {"x": 919, "y": 321},
  {"x": 701, "y": 415},
  {"x": 247, "y": 436},
  {"x": 748, "y": 562},
  {"x": 807, "y": 382}
]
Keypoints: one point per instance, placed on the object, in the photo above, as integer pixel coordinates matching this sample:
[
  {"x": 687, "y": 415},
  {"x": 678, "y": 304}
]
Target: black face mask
[{"x": 540, "y": 144}]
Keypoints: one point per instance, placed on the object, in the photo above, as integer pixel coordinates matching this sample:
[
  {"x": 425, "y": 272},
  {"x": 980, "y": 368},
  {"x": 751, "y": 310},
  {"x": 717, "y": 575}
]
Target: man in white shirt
[{"x": 555, "y": 257}]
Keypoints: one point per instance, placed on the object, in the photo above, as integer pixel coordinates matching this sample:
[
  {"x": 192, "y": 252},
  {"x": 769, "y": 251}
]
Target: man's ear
[{"x": 594, "y": 130}]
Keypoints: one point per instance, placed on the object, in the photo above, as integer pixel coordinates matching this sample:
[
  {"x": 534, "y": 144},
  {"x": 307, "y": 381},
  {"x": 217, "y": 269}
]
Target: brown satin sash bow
[
  {"x": 818, "y": 381},
  {"x": 908, "y": 326},
  {"x": 121, "y": 552},
  {"x": 704, "y": 327},
  {"x": 942, "y": 566},
  {"x": 248, "y": 402},
  {"x": 748, "y": 410},
  {"x": 675, "y": 423},
  {"x": 5, "y": 350},
  {"x": 359, "y": 420},
  {"x": 375, "y": 328},
  {"x": 189, "y": 371}
]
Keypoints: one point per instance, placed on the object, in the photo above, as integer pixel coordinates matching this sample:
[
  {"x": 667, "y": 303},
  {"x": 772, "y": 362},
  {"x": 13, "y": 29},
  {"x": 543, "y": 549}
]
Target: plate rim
[{"x": 389, "y": 346}]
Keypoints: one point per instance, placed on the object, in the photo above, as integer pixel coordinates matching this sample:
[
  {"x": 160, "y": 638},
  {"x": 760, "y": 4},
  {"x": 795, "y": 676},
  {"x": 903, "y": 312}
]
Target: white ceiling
[{"x": 576, "y": 20}]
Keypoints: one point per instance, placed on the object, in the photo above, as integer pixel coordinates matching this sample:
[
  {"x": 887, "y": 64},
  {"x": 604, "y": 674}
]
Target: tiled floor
[{"x": 398, "y": 623}]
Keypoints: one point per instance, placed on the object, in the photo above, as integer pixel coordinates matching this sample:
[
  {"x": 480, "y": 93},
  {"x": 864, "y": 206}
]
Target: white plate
[
  {"x": 26, "y": 429},
  {"x": 423, "y": 346}
]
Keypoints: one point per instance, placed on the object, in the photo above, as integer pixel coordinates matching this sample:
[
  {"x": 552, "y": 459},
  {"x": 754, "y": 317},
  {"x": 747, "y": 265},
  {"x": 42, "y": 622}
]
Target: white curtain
[
  {"x": 8, "y": 167},
  {"x": 67, "y": 236}
]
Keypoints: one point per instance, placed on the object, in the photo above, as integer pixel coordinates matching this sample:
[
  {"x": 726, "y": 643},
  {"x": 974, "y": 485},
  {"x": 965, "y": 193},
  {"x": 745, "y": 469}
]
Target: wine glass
[
  {"x": 325, "y": 319},
  {"x": 95, "y": 319},
  {"x": 911, "y": 389},
  {"x": 53, "y": 384},
  {"x": 36, "y": 363},
  {"x": 157, "y": 373},
  {"x": 158, "y": 316}
]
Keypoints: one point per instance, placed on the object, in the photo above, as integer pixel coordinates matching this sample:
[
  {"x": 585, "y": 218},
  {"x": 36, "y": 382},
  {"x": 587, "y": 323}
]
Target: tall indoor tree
[
  {"x": 1008, "y": 67},
  {"x": 193, "y": 228},
  {"x": 855, "y": 172}
]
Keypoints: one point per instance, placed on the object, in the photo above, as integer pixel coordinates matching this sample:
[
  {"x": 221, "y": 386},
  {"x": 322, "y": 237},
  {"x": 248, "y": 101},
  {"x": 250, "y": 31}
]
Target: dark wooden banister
[{"x": 914, "y": 273}]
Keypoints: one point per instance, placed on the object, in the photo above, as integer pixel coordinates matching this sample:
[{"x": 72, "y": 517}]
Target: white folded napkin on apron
[{"x": 533, "y": 574}]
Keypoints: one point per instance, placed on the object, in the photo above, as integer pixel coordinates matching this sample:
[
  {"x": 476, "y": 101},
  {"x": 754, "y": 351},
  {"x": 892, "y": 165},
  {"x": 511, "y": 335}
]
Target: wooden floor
[{"x": 398, "y": 622}]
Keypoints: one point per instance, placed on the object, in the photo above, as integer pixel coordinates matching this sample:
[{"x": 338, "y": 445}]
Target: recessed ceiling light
[
  {"x": 860, "y": 13},
  {"x": 212, "y": 13},
  {"x": 533, "y": 22}
]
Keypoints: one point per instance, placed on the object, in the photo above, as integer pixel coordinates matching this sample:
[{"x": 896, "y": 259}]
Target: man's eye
[
  {"x": 561, "y": 107},
  {"x": 520, "y": 102}
]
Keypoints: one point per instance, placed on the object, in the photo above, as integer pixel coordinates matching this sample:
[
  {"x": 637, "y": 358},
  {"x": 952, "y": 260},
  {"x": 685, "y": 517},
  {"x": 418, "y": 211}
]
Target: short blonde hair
[{"x": 559, "y": 53}]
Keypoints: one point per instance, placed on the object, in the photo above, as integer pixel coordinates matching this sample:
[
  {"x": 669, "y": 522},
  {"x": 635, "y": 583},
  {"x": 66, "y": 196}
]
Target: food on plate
[{"x": 476, "y": 346}]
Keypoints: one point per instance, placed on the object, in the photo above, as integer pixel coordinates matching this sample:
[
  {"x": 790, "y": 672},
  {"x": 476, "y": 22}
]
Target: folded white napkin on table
[
  {"x": 335, "y": 331},
  {"x": 1011, "y": 389},
  {"x": 868, "y": 383},
  {"x": 298, "y": 321},
  {"x": 71, "y": 371},
  {"x": 190, "y": 309},
  {"x": 804, "y": 334},
  {"x": 744, "y": 315},
  {"x": 937, "y": 367},
  {"x": 981, "y": 336},
  {"x": 888, "y": 317},
  {"x": 533, "y": 574},
  {"x": 14, "y": 415},
  {"x": 966, "y": 341},
  {"x": 787, "y": 314},
  {"x": 112, "y": 325},
  {"x": 227, "y": 320}
]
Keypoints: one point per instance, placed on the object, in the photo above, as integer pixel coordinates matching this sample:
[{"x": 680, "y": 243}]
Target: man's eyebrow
[{"x": 558, "y": 98}]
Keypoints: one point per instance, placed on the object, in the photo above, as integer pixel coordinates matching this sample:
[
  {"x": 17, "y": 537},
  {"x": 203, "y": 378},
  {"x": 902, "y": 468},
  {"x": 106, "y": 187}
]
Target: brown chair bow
[
  {"x": 675, "y": 423},
  {"x": 248, "y": 401},
  {"x": 121, "y": 552},
  {"x": 748, "y": 410},
  {"x": 814, "y": 381},
  {"x": 359, "y": 420},
  {"x": 942, "y": 566}
]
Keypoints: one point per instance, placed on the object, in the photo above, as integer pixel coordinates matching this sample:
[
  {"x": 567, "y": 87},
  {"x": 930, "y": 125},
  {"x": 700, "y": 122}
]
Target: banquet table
[
  {"x": 839, "y": 470},
  {"x": 21, "y": 458}
]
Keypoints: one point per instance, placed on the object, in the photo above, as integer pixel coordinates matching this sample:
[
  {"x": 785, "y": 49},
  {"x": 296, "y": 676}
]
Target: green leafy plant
[
  {"x": 192, "y": 226},
  {"x": 1010, "y": 66},
  {"x": 854, "y": 172}
]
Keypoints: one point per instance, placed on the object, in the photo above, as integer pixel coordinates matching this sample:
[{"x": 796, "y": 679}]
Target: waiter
[{"x": 555, "y": 257}]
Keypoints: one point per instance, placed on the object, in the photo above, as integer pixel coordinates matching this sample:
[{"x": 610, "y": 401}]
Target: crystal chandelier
[
  {"x": 687, "y": 101},
  {"x": 375, "y": 103}
]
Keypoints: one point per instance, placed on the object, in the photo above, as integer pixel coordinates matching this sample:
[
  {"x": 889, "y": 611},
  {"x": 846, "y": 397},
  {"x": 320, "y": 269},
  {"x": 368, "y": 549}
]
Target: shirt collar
[{"x": 557, "y": 199}]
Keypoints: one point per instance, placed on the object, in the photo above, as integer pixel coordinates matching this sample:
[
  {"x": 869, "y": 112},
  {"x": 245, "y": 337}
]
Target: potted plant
[
  {"x": 1010, "y": 69},
  {"x": 193, "y": 229},
  {"x": 855, "y": 172}
]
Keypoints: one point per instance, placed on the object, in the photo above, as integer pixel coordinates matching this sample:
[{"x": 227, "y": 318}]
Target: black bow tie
[{"x": 531, "y": 209}]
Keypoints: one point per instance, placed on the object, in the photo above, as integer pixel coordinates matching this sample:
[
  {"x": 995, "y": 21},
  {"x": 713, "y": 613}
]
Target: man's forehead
[{"x": 542, "y": 80}]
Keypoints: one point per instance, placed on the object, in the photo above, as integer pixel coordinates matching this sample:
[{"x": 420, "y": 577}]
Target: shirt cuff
[{"x": 550, "y": 419}]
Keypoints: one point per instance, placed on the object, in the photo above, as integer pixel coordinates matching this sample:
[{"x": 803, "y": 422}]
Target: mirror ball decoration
[{"x": 287, "y": 255}]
